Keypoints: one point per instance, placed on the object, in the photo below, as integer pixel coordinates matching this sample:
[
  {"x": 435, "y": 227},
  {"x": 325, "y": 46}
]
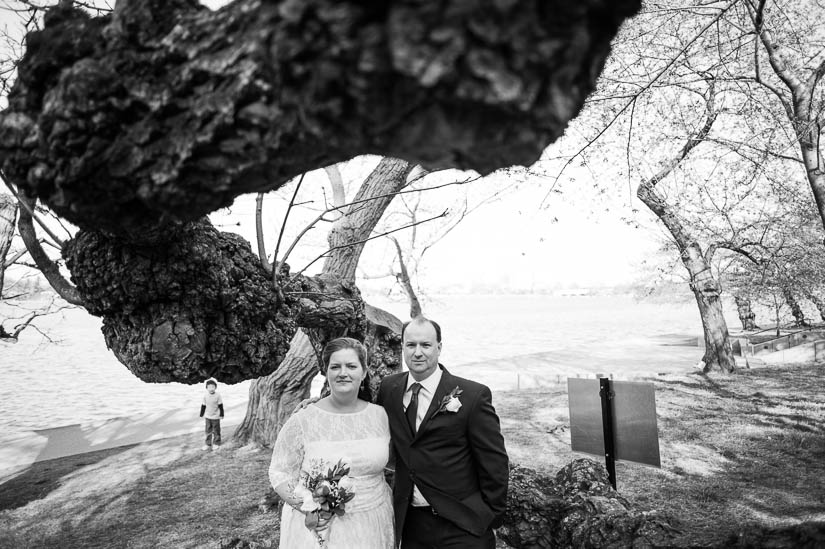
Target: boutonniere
[{"x": 450, "y": 402}]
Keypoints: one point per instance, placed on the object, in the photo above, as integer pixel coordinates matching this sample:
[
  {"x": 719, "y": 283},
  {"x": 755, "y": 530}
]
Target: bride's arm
[{"x": 287, "y": 457}]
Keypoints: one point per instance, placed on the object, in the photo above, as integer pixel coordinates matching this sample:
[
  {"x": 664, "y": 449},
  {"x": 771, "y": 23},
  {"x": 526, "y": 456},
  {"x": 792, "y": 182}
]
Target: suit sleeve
[
  {"x": 487, "y": 446},
  {"x": 379, "y": 400}
]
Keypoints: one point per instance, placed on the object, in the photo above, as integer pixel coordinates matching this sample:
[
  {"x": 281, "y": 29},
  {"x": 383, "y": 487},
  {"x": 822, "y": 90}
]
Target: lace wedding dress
[{"x": 314, "y": 437}]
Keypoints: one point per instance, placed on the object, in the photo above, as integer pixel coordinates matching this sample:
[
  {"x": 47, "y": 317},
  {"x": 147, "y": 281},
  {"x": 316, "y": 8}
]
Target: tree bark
[
  {"x": 746, "y": 315},
  {"x": 8, "y": 217},
  {"x": 801, "y": 112},
  {"x": 576, "y": 508},
  {"x": 199, "y": 307},
  {"x": 718, "y": 350},
  {"x": 349, "y": 233},
  {"x": 162, "y": 112},
  {"x": 796, "y": 309},
  {"x": 50, "y": 269},
  {"x": 273, "y": 398}
]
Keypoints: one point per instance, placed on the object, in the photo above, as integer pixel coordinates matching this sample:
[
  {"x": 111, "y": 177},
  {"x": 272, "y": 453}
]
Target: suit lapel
[
  {"x": 397, "y": 403},
  {"x": 444, "y": 387}
]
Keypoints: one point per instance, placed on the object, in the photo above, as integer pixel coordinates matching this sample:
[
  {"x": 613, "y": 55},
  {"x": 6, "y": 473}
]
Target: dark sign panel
[
  {"x": 586, "y": 434},
  {"x": 635, "y": 433}
]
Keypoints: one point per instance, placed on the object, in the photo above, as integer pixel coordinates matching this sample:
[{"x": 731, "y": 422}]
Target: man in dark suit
[{"x": 451, "y": 466}]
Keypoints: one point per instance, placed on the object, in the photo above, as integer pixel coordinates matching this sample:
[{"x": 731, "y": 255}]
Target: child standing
[{"x": 212, "y": 411}]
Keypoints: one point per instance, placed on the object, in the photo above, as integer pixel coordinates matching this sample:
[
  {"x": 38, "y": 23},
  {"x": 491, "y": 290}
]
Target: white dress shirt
[{"x": 425, "y": 397}]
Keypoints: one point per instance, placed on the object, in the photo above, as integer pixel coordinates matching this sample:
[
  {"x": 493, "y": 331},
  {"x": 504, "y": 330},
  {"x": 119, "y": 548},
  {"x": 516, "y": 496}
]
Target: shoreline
[
  {"x": 543, "y": 370},
  {"x": 21, "y": 452}
]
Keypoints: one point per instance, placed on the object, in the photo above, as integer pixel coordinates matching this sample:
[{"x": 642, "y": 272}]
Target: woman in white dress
[{"x": 341, "y": 426}]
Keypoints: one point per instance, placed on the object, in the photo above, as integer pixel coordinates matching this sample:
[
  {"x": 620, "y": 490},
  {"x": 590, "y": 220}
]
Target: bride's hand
[
  {"x": 323, "y": 523},
  {"x": 304, "y": 403}
]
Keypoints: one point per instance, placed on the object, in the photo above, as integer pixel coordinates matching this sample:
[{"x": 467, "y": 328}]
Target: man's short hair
[
  {"x": 423, "y": 320},
  {"x": 211, "y": 382}
]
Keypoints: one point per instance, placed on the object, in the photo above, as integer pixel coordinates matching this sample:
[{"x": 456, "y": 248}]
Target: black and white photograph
[{"x": 405, "y": 274}]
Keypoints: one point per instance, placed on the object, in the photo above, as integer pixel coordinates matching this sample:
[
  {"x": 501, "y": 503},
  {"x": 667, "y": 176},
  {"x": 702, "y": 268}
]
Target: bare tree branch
[
  {"x": 373, "y": 237},
  {"x": 44, "y": 263},
  {"x": 24, "y": 203},
  {"x": 275, "y": 261},
  {"x": 259, "y": 232},
  {"x": 643, "y": 89}
]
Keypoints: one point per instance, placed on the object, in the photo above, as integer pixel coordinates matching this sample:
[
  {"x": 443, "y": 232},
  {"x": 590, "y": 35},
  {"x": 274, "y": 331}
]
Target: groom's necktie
[{"x": 412, "y": 407}]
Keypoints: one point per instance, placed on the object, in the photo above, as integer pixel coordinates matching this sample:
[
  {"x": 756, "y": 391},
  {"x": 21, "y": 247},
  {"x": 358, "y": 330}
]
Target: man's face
[
  {"x": 421, "y": 350},
  {"x": 211, "y": 388}
]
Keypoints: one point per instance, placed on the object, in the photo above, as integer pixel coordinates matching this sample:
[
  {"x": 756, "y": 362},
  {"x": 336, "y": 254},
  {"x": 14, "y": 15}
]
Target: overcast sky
[{"x": 512, "y": 242}]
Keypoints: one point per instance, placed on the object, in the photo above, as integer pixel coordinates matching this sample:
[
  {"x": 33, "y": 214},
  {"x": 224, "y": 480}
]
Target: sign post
[
  {"x": 606, "y": 395},
  {"x": 614, "y": 419}
]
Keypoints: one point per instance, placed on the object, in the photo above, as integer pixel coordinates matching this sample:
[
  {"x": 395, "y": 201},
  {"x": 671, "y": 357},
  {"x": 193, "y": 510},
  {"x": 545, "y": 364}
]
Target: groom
[{"x": 451, "y": 466}]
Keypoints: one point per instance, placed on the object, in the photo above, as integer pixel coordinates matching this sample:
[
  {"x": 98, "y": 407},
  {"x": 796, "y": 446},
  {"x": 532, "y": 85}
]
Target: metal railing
[{"x": 785, "y": 341}]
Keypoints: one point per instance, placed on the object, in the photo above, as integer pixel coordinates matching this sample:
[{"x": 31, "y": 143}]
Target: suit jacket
[{"x": 457, "y": 459}]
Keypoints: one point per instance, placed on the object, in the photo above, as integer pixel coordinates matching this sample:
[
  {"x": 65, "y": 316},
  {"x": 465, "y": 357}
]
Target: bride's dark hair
[{"x": 341, "y": 343}]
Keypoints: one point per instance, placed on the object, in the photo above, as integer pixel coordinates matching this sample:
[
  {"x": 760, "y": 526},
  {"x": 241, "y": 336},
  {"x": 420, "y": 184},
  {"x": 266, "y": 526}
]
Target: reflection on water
[{"x": 77, "y": 380}]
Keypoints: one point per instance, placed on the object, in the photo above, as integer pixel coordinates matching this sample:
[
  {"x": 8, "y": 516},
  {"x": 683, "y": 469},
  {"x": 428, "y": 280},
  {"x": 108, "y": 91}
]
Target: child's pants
[{"x": 213, "y": 432}]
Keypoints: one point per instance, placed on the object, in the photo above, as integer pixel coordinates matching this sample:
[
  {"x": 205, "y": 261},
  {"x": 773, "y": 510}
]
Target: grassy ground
[{"x": 740, "y": 454}]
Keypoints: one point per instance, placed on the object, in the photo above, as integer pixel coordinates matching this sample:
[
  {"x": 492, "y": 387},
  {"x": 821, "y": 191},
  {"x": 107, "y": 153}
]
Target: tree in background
[
  {"x": 786, "y": 268},
  {"x": 446, "y": 199},
  {"x": 681, "y": 75},
  {"x": 21, "y": 302}
]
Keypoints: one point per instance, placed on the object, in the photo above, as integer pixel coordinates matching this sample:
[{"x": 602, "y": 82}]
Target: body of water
[{"x": 76, "y": 379}]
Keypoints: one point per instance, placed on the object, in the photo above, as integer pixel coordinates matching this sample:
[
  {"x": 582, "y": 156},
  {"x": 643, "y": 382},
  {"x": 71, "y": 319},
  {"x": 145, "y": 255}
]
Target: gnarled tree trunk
[
  {"x": 796, "y": 308},
  {"x": 164, "y": 111},
  {"x": 746, "y": 315},
  {"x": 161, "y": 112},
  {"x": 273, "y": 398},
  {"x": 576, "y": 508}
]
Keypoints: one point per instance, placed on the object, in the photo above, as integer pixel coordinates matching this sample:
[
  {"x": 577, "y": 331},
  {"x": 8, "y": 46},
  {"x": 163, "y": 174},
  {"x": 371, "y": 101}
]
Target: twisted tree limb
[{"x": 164, "y": 111}]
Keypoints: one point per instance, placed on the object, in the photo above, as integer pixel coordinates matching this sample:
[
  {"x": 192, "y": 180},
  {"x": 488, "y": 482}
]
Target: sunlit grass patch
[{"x": 694, "y": 459}]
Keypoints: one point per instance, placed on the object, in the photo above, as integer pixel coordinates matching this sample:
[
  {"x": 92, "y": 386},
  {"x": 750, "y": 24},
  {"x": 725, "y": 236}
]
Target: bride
[{"x": 342, "y": 426}]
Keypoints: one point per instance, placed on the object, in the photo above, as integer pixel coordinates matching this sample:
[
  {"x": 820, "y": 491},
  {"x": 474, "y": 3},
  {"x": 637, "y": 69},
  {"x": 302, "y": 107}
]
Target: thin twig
[
  {"x": 362, "y": 241},
  {"x": 259, "y": 232},
  {"x": 275, "y": 262}
]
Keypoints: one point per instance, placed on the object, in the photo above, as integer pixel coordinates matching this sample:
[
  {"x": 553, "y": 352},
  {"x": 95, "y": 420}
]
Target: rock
[{"x": 577, "y": 508}]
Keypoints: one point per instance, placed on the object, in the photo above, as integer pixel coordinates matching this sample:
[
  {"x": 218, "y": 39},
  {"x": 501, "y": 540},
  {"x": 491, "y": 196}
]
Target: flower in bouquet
[
  {"x": 325, "y": 494},
  {"x": 308, "y": 503}
]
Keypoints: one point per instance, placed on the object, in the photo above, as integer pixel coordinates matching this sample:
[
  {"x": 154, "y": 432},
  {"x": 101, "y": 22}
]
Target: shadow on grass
[
  {"x": 200, "y": 499},
  {"x": 42, "y": 477},
  {"x": 745, "y": 462}
]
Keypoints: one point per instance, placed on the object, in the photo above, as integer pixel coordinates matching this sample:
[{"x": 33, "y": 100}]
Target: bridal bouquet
[{"x": 325, "y": 492}]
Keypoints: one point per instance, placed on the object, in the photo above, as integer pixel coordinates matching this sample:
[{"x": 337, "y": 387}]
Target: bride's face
[{"x": 344, "y": 372}]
